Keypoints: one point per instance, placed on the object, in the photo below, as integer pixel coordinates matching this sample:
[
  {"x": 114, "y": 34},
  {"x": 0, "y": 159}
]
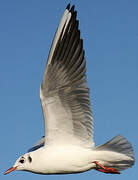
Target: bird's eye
[{"x": 22, "y": 160}]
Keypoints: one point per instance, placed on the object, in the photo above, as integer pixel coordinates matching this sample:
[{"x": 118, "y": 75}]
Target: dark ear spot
[{"x": 29, "y": 159}]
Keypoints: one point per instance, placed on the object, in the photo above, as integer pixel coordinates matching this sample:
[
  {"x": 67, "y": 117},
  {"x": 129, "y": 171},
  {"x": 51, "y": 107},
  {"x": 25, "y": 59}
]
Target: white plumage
[{"x": 68, "y": 145}]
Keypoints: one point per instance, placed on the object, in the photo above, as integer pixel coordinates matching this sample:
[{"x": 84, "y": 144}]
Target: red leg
[{"x": 105, "y": 169}]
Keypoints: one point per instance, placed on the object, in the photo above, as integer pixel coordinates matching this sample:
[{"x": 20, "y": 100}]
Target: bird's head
[{"x": 22, "y": 163}]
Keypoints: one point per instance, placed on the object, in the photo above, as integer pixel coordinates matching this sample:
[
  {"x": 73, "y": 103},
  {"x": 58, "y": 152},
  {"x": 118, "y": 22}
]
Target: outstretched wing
[{"x": 64, "y": 91}]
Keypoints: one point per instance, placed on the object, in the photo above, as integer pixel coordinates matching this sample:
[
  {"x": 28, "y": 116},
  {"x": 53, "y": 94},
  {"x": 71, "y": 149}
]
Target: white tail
[{"x": 118, "y": 153}]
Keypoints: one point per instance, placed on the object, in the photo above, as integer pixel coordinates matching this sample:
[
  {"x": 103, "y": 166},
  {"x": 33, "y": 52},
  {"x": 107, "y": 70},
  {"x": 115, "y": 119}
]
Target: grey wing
[{"x": 64, "y": 92}]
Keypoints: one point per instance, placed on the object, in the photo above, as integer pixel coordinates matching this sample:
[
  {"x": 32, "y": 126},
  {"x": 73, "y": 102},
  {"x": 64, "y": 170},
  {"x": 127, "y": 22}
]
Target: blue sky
[{"x": 110, "y": 32}]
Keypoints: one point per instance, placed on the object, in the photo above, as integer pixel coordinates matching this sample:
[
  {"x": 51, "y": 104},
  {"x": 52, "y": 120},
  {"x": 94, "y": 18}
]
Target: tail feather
[{"x": 120, "y": 145}]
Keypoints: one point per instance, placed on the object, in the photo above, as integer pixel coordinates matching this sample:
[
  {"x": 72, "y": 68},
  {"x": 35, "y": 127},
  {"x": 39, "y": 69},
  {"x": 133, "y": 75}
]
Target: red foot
[{"x": 105, "y": 169}]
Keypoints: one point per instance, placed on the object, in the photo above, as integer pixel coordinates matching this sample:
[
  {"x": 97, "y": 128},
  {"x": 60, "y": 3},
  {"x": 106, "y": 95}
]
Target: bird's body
[
  {"x": 69, "y": 158},
  {"x": 68, "y": 145},
  {"x": 61, "y": 159}
]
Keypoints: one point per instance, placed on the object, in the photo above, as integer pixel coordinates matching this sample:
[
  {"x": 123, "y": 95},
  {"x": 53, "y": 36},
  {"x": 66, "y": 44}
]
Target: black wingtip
[
  {"x": 68, "y": 6},
  {"x": 77, "y": 23},
  {"x": 72, "y": 9},
  {"x": 74, "y": 14}
]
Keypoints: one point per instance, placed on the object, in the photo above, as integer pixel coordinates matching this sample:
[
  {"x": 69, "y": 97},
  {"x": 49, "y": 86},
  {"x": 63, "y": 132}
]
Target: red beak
[{"x": 10, "y": 170}]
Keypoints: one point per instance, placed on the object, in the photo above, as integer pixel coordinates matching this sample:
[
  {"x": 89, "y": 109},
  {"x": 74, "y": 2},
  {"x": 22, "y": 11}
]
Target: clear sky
[{"x": 110, "y": 32}]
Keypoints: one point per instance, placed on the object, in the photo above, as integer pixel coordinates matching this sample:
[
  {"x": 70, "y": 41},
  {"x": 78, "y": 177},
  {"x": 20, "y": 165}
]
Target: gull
[{"x": 68, "y": 145}]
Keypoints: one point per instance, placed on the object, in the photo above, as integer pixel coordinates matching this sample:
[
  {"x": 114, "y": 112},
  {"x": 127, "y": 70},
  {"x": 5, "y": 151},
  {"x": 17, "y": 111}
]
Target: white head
[{"x": 24, "y": 163}]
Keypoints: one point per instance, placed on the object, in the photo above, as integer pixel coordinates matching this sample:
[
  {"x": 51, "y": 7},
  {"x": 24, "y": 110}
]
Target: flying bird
[{"x": 68, "y": 145}]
